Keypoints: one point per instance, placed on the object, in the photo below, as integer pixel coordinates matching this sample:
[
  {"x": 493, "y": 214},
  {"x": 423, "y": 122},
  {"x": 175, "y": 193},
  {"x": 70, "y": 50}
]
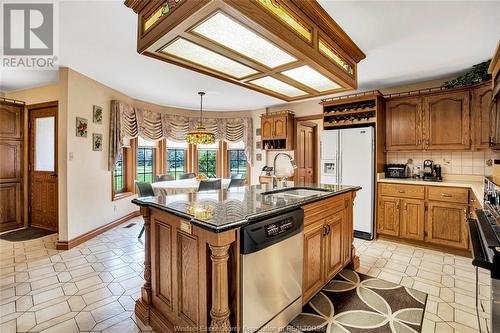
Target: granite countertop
[
  {"x": 222, "y": 210},
  {"x": 472, "y": 183}
]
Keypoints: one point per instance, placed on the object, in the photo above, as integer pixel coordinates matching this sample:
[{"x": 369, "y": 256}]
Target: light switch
[{"x": 71, "y": 156}]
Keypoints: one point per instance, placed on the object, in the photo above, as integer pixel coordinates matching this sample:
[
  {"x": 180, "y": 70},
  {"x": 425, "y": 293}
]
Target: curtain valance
[{"x": 128, "y": 122}]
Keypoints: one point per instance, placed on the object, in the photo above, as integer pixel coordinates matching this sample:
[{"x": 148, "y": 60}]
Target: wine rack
[{"x": 350, "y": 110}]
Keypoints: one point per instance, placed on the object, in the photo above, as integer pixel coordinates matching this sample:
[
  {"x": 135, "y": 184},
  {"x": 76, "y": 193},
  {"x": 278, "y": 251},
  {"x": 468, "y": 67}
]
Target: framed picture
[
  {"x": 97, "y": 115},
  {"x": 96, "y": 142},
  {"x": 258, "y": 157},
  {"x": 82, "y": 125},
  {"x": 257, "y": 131},
  {"x": 258, "y": 145}
]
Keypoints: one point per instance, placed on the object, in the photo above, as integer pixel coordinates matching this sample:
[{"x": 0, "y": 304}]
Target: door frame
[
  {"x": 314, "y": 127},
  {"x": 28, "y": 156}
]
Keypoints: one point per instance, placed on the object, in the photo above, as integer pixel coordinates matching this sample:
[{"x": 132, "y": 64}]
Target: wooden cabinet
[
  {"x": 327, "y": 242},
  {"x": 429, "y": 214},
  {"x": 480, "y": 117},
  {"x": 403, "y": 124},
  {"x": 446, "y": 121},
  {"x": 277, "y": 131},
  {"x": 447, "y": 224},
  {"x": 388, "y": 216},
  {"x": 494, "y": 70},
  {"x": 412, "y": 219}
]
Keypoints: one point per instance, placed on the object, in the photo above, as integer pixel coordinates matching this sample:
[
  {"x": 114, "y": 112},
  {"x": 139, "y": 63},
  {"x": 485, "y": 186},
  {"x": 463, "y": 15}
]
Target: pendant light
[{"x": 201, "y": 136}]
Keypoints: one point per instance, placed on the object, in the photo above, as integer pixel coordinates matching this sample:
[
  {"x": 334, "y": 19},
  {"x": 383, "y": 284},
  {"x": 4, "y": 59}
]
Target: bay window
[
  {"x": 237, "y": 160},
  {"x": 207, "y": 159},
  {"x": 176, "y": 158}
]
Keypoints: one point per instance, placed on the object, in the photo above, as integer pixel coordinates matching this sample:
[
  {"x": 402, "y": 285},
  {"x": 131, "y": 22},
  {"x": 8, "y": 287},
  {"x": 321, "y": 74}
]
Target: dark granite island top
[{"x": 222, "y": 210}]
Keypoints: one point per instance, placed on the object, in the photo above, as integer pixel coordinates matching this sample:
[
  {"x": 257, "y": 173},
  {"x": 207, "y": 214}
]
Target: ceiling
[{"x": 404, "y": 42}]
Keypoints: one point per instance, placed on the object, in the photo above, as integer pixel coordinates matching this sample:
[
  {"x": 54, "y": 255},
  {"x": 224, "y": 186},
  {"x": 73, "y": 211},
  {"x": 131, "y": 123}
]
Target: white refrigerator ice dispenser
[{"x": 348, "y": 157}]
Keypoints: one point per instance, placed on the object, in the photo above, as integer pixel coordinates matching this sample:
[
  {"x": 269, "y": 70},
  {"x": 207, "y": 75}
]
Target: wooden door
[
  {"x": 43, "y": 167},
  {"x": 312, "y": 275},
  {"x": 388, "y": 216},
  {"x": 447, "y": 224},
  {"x": 333, "y": 245},
  {"x": 412, "y": 219},
  {"x": 305, "y": 154},
  {"x": 280, "y": 126},
  {"x": 403, "y": 121},
  {"x": 447, "y": 121},
  {"x": 266, "y": 127},
  {"x": 11, "y": 166},
  {"x": 480, "y": 115}
]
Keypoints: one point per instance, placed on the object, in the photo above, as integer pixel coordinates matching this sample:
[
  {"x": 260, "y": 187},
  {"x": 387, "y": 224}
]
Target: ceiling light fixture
[
  {"x": 200, "y": 136},
  {"x": 289, "y": 49}
]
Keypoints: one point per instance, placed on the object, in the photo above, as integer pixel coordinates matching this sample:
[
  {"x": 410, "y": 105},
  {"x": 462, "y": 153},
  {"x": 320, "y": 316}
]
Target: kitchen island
[{"x": 192, "y": 265}]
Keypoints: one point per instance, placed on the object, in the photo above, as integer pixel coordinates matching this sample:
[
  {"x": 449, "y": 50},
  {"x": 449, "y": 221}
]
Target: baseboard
[
  {"x": 66, "y": 245},
  {"x": 363, "y": 235}
]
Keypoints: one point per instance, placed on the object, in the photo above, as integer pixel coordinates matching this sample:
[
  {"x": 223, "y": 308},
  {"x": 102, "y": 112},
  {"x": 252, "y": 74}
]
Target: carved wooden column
[
  {"x": 146, "y": 289},
  {"x": 220, "y": 296},
  {"x": 354, "y": 264}
]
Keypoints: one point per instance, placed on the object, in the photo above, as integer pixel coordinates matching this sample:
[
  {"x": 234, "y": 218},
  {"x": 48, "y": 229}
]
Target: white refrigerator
[{"x": 347, "y": 158}]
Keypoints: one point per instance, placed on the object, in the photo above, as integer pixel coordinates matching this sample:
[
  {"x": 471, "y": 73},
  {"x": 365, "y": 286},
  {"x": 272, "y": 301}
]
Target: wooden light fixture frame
[{"x": 185, "y": 15}]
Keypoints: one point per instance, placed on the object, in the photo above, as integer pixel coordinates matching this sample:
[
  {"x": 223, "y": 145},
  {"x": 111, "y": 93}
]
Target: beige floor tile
[
  {"x": 68, "y": 326},
  {"x": 24, "y": 303},
  {"x": 8, "y": 327},
  {"x": 76, "y": 303},
  {"x": 47, "y": 295},
  {"x": 52, "y": 312},
  {"x": 85, "y": 321},
  {"x": 107, "y": 311},
  {"x": 25, "y": 322},
  {"x": 96, "y": 295}
]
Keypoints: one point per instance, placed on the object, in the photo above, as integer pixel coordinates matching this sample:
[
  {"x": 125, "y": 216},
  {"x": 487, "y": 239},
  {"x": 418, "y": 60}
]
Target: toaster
[{"x": 395, "y": 171}]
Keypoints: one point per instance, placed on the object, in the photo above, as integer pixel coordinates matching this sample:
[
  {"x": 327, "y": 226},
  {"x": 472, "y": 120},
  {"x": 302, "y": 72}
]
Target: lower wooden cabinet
[
  {"x": 447, "y": 224},
  {"x": 327, "y": 244},
  {"x": 439, "y": 217}
]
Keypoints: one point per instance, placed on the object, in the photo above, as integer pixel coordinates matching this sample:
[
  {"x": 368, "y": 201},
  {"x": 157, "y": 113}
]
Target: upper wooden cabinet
[
  {"x": 403, "y": 124},
  {"x": 480, "y": 117},
  {"x": 447, "y": 121},
  {"x": 277, "y": 131}
]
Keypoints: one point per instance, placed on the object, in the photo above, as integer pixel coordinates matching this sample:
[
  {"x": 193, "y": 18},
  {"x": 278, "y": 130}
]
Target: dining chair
[
  {"x": 236, "y": 182},
  {"x": 188, "y": 175},
  {"x": 145, "y": 190},
  {"x": 162, "y": 178},
  {"x": 213, "y": 184}
]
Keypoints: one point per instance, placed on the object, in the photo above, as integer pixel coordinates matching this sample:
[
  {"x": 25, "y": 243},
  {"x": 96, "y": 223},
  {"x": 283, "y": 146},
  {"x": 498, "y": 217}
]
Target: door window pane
[
  {"x": 175, "y": 162},
  {"x": 145, "y": 161},
  {"x": 45, "y": 144},
  {"x": 207, "y": 162},
  {"x": 237, "y": 162},
  {"x": 118, "y": 174}
]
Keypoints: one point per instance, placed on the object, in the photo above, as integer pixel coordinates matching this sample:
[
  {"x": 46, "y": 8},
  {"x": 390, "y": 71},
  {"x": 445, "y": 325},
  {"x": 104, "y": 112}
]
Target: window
[
  {"x": 176, "y": 158},
  {"x": 118, "y": 175},
  {"x": 237, "y": 159},
  {"x": 145, "y": 161},
  {"x": 207, "y": 160}
]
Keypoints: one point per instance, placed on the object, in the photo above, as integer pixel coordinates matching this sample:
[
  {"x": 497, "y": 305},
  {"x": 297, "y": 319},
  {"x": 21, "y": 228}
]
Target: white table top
[{"x": 170, "y": 187}]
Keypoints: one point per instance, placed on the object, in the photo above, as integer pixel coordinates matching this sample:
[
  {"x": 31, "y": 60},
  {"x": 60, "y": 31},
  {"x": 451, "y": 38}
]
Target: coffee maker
[{"x": 432, "y": 172}]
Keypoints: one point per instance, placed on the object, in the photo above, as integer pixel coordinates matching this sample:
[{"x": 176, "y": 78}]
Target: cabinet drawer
[
  {"x": 448, "y": 194},
  {"x": 402, "y": 191},
  {"x": 323, "y": 208}
]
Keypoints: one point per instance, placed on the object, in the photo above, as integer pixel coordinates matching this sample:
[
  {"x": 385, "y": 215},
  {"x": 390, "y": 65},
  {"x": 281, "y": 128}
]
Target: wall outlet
[
  {"x": 70, "y": 156},
  {"x": 114, "y": 208}
]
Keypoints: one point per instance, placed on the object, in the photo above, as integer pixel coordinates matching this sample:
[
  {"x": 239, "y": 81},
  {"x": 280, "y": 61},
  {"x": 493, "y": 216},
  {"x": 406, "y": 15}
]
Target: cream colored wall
[{"x": 36, "y": 95}]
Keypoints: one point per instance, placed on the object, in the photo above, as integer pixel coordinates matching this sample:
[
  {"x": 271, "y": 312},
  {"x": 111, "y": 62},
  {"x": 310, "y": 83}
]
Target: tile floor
[{"x": 93, "y": 287}]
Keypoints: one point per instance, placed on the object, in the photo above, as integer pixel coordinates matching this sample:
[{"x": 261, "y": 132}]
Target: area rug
[
  {"x": 354, "y": 302},
  {"x": 25, "y": 234}
]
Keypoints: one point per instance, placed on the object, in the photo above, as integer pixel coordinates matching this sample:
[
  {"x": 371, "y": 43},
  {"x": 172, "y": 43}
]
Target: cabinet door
[
  {"x": 495, "y": 123},
  {"x": 312, "y": 276},
  {"x": 403, "y": 121},
  {"x": 266, "y": 128},
  {"x": 447, "y": 224},
  {"x": 280, "y": 123},
  {"x": 388, "y": 216},
  {"x": 412, "y": 219},
  {"x": 480, "y": 115},
  {"x": 447, "y": 121},
  {"x": 333, "y": 245}
]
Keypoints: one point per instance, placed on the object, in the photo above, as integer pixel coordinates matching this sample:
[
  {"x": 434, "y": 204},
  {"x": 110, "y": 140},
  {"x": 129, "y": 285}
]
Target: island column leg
[
  {"x": 146, "y": 289},
  {"x": 220, "y": 284}
]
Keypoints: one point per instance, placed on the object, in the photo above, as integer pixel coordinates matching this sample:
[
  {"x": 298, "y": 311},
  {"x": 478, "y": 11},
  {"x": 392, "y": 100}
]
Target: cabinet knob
[
  {"x": 401, "y": 191},
  {"x": 446, "y": 195}
]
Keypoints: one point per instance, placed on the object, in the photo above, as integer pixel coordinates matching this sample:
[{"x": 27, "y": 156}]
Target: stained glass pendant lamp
[{"x": 201, "y": 136}]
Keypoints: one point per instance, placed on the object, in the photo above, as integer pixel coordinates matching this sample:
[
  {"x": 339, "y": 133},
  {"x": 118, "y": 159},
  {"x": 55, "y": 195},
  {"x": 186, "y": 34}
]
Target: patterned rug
[{"x": 354, "y": 302}]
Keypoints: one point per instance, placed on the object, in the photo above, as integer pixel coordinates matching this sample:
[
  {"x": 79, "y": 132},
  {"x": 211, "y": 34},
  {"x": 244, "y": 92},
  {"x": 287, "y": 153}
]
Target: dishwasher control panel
[{"x": 277, "y": 228}]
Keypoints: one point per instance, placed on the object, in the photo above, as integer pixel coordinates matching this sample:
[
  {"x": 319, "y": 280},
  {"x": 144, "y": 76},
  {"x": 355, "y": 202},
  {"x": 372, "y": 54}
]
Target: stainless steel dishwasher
[{"x": 271, "y": 271}]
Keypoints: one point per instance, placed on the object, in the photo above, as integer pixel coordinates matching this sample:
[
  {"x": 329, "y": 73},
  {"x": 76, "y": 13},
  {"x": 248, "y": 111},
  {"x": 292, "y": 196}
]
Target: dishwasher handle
[{"x": 261, "y": 234}]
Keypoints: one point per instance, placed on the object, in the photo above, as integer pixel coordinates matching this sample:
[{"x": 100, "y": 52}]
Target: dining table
[{"x": 170, "y": 187}]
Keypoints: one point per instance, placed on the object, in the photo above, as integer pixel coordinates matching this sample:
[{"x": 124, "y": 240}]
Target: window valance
[{"x": 128, "y": 122}]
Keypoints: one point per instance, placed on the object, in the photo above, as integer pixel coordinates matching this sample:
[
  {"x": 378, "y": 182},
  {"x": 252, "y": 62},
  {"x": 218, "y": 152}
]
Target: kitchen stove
[{"x": 484, "y": 233}]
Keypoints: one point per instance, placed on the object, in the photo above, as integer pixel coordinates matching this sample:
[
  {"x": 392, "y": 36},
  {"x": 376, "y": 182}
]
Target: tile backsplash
[{"x": 452, "y": 163}]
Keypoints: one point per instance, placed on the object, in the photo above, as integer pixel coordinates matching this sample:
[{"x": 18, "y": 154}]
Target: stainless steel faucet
[{"x": 274, "y": 181}]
